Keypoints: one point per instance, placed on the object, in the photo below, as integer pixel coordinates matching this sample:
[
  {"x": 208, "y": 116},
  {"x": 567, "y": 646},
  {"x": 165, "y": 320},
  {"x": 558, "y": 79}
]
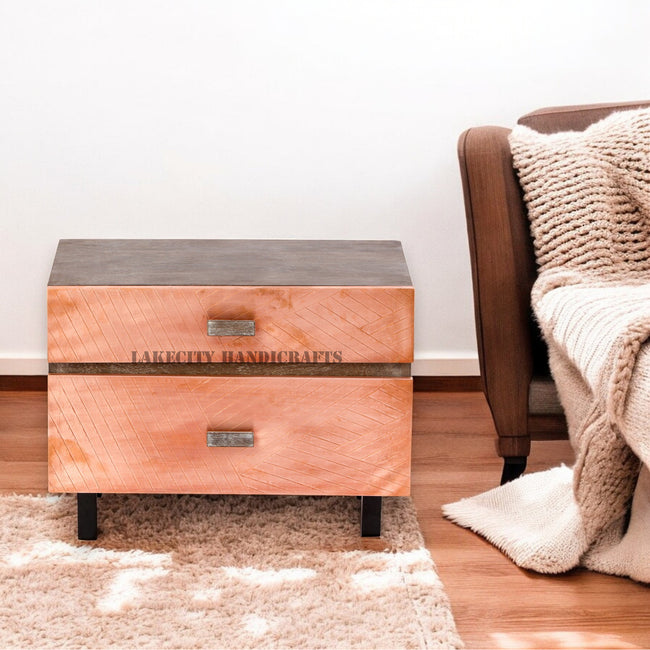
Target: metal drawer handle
[
  {"x": 231, "y": 328},
  {"x": 230, "y": 439}
]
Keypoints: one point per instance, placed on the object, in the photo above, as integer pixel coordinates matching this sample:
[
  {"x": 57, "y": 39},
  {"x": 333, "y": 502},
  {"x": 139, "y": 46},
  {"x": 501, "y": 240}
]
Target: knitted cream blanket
[{"x": 588, "y": 198}]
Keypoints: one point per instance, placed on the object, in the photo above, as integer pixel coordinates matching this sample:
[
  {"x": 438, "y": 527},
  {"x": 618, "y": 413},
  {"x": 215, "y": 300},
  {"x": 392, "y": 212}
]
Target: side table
[{"x": 230, "y": 367}]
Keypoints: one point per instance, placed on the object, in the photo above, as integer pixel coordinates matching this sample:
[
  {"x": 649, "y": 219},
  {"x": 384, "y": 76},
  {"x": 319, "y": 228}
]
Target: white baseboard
[
  {"x": 443, "y": 366},
  {"x": 429, "y": 365},
  {"x": 23, "y": 366}
]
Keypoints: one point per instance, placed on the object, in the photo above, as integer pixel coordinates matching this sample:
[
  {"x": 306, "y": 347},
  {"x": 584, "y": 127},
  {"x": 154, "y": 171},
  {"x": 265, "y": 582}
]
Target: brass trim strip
[{"x": 236, "y": 369}]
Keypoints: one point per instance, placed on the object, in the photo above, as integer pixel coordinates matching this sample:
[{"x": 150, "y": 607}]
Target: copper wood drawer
[
  {"x": 168, "y": 324},
  {"x": 149, "y": 434}
]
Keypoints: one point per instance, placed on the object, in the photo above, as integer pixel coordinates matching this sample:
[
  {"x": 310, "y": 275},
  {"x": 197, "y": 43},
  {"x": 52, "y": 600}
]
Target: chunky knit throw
[{"x": 588, "y": 199}]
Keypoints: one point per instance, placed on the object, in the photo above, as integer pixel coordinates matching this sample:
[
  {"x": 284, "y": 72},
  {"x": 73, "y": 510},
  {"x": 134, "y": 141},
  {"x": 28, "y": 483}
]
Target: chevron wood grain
[
  {"x": 312, "y": 435},
  {"x": 127, "y": 324}
]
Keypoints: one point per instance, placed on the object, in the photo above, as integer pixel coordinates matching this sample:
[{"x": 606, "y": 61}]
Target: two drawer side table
[{"x": 229, "y": 367}]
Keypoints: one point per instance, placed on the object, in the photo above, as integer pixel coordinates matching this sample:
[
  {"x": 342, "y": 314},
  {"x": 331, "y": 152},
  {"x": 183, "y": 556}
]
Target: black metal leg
[
  {"x": 370, "y": 516},
  {"x": 87, "y": 516},
  {"x": 513, "y": 467}
]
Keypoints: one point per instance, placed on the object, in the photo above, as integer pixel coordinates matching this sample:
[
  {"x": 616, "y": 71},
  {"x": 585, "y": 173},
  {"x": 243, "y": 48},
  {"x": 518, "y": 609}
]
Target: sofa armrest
[{"x": 503, "y": 271}]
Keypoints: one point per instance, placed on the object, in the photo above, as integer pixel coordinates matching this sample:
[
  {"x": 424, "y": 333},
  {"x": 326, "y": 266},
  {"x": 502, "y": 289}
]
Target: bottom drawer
[{"x": 310, "y": 435}]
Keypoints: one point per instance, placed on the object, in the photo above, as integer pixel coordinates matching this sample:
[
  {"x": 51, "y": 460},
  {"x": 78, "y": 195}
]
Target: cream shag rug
[{"x": 217, "y": 572}]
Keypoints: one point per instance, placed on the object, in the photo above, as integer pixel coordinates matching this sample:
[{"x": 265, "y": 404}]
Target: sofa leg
[{"x": 513, "y": 467}]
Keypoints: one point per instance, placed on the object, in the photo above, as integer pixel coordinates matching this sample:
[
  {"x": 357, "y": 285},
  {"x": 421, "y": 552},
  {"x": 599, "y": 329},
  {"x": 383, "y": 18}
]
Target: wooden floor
[{"x": 496, "y": 605}]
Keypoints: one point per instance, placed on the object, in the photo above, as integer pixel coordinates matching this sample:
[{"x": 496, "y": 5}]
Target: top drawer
[{"x": 169, "y": 324}]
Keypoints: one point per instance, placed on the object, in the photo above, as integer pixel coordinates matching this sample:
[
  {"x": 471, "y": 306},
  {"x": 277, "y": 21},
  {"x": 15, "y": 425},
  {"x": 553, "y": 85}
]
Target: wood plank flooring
[{"x": 496, "y": 605}]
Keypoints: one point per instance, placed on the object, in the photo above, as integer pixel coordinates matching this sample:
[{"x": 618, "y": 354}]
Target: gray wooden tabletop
[{"x": 229, "y": 262}]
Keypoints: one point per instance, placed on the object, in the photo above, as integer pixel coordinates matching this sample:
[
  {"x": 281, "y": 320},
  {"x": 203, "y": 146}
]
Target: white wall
[{"x": 278, "y": 119}]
